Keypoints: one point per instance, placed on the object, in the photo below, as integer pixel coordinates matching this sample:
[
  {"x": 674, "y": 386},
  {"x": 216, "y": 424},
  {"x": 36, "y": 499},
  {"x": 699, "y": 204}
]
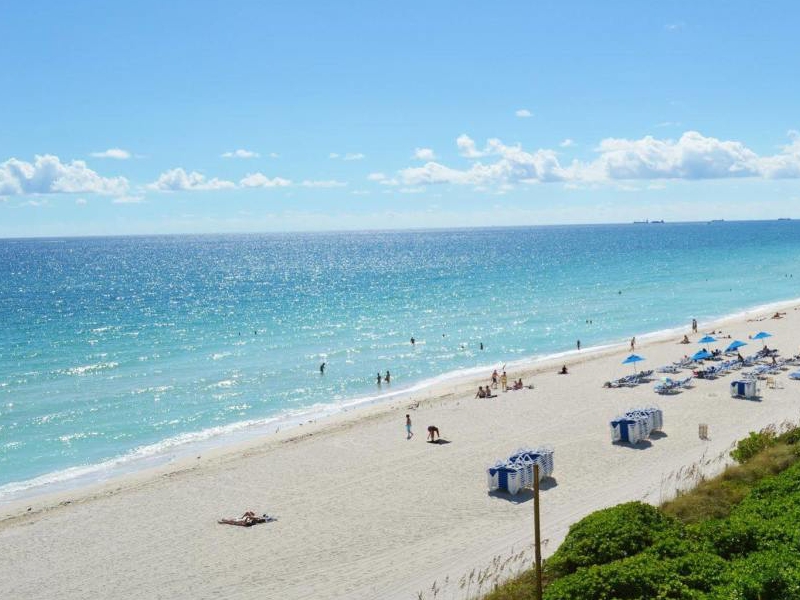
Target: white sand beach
[{"x": 364, "y": 513}]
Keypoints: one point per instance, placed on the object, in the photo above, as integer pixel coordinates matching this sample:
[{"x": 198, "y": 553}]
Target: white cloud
[
  {"x": 274, "y": 155},
  {"x": 567, "y": 143},
  {"x": 673, "y": 27},
  {"x": 259, "y": 180},
  {"x": 81, "y": 202},
  {"x": 360, "y": 193},
  {"x": 329, "y": 183},
  {"x": 424, "y": 154},
  {"x": 333, "y": 155},
  {"x": 523, "y": 113},
  {"x": 514, "y": 164},
  {"x": 692, "y": 157},
  {"x": 128, "y": 200},
  {"x": 48, "y": 175},
  {"x": 376, "y": 177},
  {"x": 176, "y": 180},
  {"x": 240, "y": 154},
  {"x": 411, "y": 190},
  {"x": 117, "y": 153},
  {"x": 466, "y": 146}
]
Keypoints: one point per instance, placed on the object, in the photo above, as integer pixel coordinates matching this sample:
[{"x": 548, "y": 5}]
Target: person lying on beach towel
[{"x": 248, "y": 519}]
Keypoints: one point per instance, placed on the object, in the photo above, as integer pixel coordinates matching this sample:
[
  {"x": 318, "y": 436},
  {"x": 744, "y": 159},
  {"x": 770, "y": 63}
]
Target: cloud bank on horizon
[{"x": 693, "y": 156}]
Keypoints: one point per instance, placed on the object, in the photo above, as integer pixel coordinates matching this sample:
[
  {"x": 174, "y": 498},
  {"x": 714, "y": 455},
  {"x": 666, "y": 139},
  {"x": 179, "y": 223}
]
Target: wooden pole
[{"x": 537, "y": 541}]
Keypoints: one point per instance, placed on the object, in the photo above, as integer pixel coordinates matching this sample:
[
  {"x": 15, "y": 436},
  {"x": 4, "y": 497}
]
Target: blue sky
[{"x": 172, "y": 117}]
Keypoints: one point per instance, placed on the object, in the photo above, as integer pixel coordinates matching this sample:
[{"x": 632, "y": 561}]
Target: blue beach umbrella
[
  {"x": 734, "y": 345},
  {"x": 762, "y": 335},
  {"x": 632, "y": 359},
  {"x": 701, "y": 355},
  {"x": 706, "y": 340}
]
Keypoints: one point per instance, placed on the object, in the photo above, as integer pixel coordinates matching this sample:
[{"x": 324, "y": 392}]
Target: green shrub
[
  {"x": 753, "y": 444},
  {"x": 645, "y": 576},
  {"x": 768, "y": 575},
  {"x": 610, "y": 534}
]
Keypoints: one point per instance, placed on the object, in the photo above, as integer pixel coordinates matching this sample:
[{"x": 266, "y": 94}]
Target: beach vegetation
[{"x": 733, "y": 537}]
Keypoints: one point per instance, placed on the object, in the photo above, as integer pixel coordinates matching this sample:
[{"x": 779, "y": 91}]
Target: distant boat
[
  {"x": 659, "y": 221},
  {"x": 785, "y": 219},
  {"x": 717, "y": 221},
  {"x": 641, "y": 222}
]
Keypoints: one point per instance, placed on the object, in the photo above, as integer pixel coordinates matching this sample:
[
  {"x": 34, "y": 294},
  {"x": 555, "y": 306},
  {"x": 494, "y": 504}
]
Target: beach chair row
[
  {"x": 636, "y": 425},
  {"x": 516, "y": 472},
  {"x": 671, "y": 386},
  {"x": 630, "y": 380}
]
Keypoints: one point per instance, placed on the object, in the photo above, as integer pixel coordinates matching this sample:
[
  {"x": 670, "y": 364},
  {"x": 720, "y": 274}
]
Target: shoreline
[
  {"x": 400, "y": 515},
  {"x": 173, "y": 452}
]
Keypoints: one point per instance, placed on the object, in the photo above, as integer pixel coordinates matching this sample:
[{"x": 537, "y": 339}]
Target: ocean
[{"x": 118, "y": 353}]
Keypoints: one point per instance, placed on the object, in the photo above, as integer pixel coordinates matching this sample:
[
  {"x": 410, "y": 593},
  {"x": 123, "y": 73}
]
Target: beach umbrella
[
  {"x": 762, "y": 335},
  {"x": 706, "y": 340},
  {"x": 734, "y": 345},
  {"x": 701, "y": 355},
  {"x": 632, "y": 360}
]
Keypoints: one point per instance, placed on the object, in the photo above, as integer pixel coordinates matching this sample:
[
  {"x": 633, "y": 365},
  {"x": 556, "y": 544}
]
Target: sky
[{"x": 197, "y": 117}]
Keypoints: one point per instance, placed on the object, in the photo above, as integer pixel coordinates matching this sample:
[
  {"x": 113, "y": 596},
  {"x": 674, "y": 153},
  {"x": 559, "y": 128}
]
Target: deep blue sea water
[{"x": 118, "y": 350}]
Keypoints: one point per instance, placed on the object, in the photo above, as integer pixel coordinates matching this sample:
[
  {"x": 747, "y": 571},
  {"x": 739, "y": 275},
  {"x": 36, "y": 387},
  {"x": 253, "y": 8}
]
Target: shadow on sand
[
  {"x": 439, "y": 442},
  {"x": 525, "y": 494},
  {"x": 641, "y": 445}
]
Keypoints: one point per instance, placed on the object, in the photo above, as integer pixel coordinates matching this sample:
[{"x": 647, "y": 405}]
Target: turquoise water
[{"x": 118, "y": 350}]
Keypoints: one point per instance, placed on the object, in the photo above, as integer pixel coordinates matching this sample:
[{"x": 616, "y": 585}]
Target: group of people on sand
[{"x": 502, "y": 380}]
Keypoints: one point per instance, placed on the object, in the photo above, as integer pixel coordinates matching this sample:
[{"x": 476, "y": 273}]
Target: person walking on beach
[
  {"x": 494, "y": 379},
  {"x": 579, "y": 344},
  {"x": 504, "y": 381},
  {"x": 633, "y": 343},
  {"x": 409, "y": 433},
  {"x": 694, "y": 325}
]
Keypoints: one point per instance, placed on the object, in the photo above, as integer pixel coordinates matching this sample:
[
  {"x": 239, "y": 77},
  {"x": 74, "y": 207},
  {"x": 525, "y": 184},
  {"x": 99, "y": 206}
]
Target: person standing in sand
[
  {"x": 694, "y": 325},
  {"x": 494, "y": 379},
  {"x": 409, "y": 433},
  {"x": 504, "y": 381},
  {"x": 579, "y": 344},
  {"x": 633, "y": 343}
]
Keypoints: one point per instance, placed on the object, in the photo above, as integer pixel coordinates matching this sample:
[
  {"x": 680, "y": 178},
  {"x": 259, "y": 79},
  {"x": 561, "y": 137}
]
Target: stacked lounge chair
[
  {"x": 636, "y": 425},
  {"x": 744, "y": 388},
  {"x": 516, "y": 472}
]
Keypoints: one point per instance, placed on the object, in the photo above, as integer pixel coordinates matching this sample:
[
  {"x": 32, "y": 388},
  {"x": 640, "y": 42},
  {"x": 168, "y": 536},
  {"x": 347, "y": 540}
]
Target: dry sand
[{"x": 364, "y": 513}]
